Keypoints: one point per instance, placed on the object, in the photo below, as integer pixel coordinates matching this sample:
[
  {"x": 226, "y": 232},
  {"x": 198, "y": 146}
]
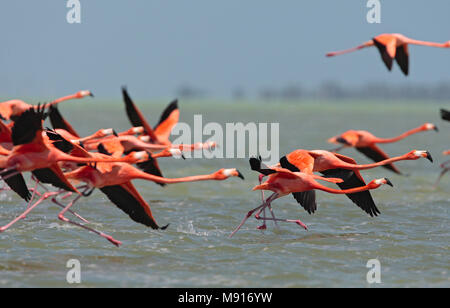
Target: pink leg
[
  {"x": 249, "y": 214},
  {"x": 106, "y": 236},
  {"x": 41, "y": 199},
  {"x": 298, "y": 222},
  {"x": 263, "y": 226},
  {"x": 60, "y": 205}
]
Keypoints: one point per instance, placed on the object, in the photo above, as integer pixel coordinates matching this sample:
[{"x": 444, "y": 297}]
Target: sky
[{"x": 156, "y": 46}]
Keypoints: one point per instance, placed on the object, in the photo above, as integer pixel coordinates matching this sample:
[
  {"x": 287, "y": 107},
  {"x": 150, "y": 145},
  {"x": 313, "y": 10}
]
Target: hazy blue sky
[{"x": 154, "y": 46}]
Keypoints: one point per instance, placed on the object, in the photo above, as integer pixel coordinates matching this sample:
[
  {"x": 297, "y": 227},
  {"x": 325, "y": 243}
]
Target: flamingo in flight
[
  {"x": 12, "y": 109},
  {"x": 445, "y": 115},
  {"x": 366, "y": 143},
  {"x": 32, "y": 152},
  {"x": 283, "y": 182},
  {"x": 114, "y": 180},
  {"x": 339, "y": 166},
  {"x": 392, "y": 46},
  {"x": 161, "y": 132}
]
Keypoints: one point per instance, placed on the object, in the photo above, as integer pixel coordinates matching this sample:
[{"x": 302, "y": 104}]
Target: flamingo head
[
  {"x": 170, "y": 152},
  {"x": 415, "y": 154},
  {"x": 430, "y": 126},
  {"x": 447, "y": 44},
  {"x": 378, "y": 182},
  {"x": 224, "y": 174},
  {"x": 84, "y": 93},
  {"x": 105, "y": 133}
]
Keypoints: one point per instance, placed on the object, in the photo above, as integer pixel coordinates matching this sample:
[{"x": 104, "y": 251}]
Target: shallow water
[{"x": 410, "y": 238}]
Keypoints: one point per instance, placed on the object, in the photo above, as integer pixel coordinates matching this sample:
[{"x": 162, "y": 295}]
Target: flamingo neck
[
  {"x": 341, "y": 192},
  {"x": 162, "y": 180},
  {"x": 402, "y": 136},
  {"x": 373, "y": 165}
]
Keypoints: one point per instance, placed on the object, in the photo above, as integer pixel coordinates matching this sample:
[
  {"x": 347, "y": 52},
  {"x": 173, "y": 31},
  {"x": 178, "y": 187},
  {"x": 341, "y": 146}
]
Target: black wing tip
[
  {"x": 164, "y": 227},
  {"x": 255, "y": 163}
]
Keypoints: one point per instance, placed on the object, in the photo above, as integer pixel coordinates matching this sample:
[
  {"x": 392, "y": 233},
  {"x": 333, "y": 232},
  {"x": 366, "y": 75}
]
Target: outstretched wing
[
  {"x": 387, "y": 49},
  {"x": 169, "y": 118},
  {"x": 376, "y": 154},
  {"x": 445, "y": 115},
  {"x": 135, "y": 115},
  {"x": 58, "y": 122},
  {"x": 28, "y": 126},
  {"x": 18, "y": 185},
  {"x": 307, "y": 199},
  {"x": 362, "y": 199},
  {"x": 128, "y": 200},
  {"x": 402, "y": 58},
  {"x": 55, "y": 177}
]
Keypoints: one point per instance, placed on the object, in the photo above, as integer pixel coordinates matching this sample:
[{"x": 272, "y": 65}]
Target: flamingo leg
[
  {"x": 297, "y": 221},
  {"x": 263, "y": 226},
  {"x": 250, "y": 213},
  {"x": 24, "y": 214},
  {"x": 62, "y": 218}
]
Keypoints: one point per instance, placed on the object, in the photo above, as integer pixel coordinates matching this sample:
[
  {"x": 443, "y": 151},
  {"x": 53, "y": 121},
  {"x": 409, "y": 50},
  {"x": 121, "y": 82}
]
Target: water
[{"x": 410, "y": 238}]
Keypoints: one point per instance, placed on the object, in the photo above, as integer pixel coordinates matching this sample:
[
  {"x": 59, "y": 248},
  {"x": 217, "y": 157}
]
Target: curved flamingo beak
[
  {"x": 388, "y": 182},
  {"x": 240, "y": 175},
  {"x": 428, "y": 156}
]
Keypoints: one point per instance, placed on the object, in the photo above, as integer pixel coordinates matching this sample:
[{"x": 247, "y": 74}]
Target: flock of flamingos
[{"x": 75, "y": 166}]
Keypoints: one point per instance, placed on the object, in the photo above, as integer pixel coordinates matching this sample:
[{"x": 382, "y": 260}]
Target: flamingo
[
  {"x": 114, "y": 180},
  {"x": 161, "y": 132},
  {"x": 339, "y": 166},
  {"x": 33, "y": 153},
  {"x": 392, "y": 46},
  {"x": 445, "y": 115},
  {"x": 282, "y": 182},
  {"x": 12, "y": 109},
  {"x": 365, "y": 142}
]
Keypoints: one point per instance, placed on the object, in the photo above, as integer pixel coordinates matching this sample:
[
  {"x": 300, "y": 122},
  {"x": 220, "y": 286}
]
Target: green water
[{"x": 410, "y": 238}]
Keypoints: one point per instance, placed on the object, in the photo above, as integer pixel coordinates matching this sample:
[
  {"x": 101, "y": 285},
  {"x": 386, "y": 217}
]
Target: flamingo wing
[
  {"x": 445, "y": 115},
  {"x": 387, "y": 48},
  {"x": 55, "y": 177},
  {"x": 151, "y": 166},
  {"x": 257, "y": 165},
  {"x": 28, "y": 126},
  {"x": 402, "y": 58},
  {"x": 19, "y": 186},
  {"x": 135, "y": 115},
  {"x": 58, "y": 122},
  {"x": 362, "y": 199},
  {"x": 307, "y": 199},
  {"x": 376, "y": 154},
  {"x": 128, "y": 200},
  {"x": 169, "y": 118}
]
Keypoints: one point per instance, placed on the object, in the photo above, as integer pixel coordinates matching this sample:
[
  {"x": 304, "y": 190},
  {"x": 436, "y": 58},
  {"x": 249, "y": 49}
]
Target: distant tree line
[{"x": 332, "y": 90}]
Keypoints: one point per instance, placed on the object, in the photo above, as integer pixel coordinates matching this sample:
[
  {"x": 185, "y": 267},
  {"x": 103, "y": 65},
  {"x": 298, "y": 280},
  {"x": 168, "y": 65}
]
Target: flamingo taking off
[
  {"x": 282, "y": 182},
  {"x": 392, "y": 46},
  {"x": 366, "y": 143},
  {"x": 338, "y": 166}
]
